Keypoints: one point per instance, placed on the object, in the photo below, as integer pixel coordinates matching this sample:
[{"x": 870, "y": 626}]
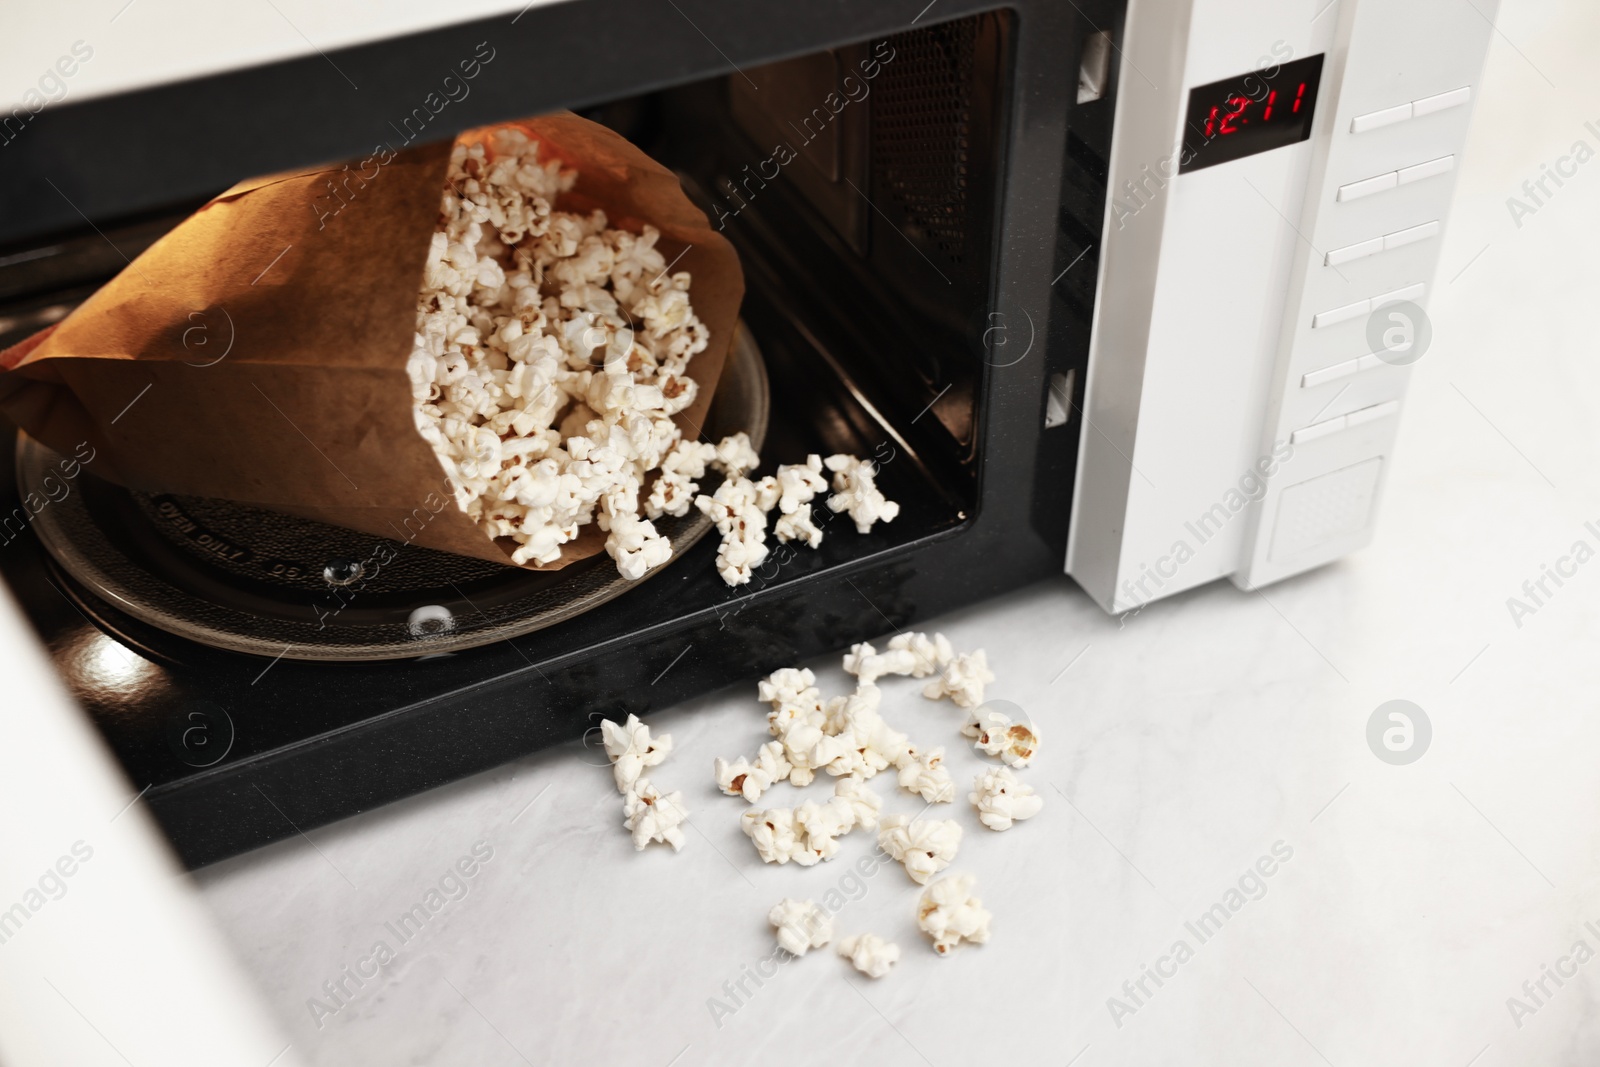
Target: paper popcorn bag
[{"x": 258, "y": 351}]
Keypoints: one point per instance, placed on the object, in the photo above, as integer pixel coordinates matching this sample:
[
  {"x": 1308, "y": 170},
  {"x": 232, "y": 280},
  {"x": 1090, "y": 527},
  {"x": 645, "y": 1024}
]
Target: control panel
[
  {"x": 1378, "y": 194},
  {"x": 1281, "y": 176}
]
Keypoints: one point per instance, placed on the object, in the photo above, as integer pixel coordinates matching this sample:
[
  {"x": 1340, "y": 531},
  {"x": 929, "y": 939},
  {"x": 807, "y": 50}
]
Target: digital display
[{"x": 1254, "y": 112}]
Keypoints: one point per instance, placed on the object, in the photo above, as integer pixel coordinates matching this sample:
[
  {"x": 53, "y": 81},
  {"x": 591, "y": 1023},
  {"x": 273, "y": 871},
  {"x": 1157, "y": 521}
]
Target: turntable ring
[{"x": 247, "y": 579}]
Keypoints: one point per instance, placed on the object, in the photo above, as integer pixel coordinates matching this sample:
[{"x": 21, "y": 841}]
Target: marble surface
[{"x": 1181, "y": 745}]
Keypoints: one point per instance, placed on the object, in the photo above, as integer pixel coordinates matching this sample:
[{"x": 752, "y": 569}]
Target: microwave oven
[{"x": 1095, "y": 284}]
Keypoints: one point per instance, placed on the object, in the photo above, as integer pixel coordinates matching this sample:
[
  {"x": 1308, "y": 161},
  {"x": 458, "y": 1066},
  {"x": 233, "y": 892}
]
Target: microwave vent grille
[{"x": 922, "y": 132}]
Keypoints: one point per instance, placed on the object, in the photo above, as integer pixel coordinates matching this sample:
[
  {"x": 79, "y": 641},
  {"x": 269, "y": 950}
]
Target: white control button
[
  {"x": 1372, "y": 414},
  {"x": 1337, "y": 256},
  {"x": 1312, "y": 379},
  {"x": 1340, "y": 314},
  {"x": 1401, "y": 238},
  {"x": 1374, "y": 119},
  {"x": 1433, "y": 167},
  {"x": 1368, "y": 186},
  {"x": 1429, "y": 104},
  {"x": 1412, "y": 293},
  {"x": 1317, "y": 429}
]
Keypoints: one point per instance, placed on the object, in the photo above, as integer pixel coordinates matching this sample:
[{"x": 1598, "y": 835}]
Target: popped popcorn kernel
[
  {"x": 653, "y": 816},
  {"x": 747, "y": 779},
  {"x": 869, "y": 954},
  {"x": 995, "y": 734},
  {"x": 926, "y": 775},
  {"x": 962, "y": 680},
  {"x": 856, "y": 492},
  {"x": 632, "y": 749},
  {"x": 1003, "y": 800},
  {"x": 924, "y": 846},
  {"x": 801, "y": 925},
  {"x": 949, "y": 913}
]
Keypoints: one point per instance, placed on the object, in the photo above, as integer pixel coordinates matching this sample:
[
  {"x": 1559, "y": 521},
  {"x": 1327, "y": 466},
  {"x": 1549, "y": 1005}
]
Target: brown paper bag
[{"x": 258, "y": 351}]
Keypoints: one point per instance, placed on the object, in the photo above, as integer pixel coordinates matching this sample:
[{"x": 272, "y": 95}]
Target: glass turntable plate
[{"x": 247, "y": 579}]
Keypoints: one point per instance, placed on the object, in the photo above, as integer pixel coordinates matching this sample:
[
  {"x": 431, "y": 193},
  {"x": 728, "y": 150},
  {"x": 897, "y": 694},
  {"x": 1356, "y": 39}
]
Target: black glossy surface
[{"x": 309, "y": 743}]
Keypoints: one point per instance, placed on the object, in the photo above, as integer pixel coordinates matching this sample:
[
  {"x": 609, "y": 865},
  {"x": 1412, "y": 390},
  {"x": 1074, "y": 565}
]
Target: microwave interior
[{"x": 861, "y": 186}]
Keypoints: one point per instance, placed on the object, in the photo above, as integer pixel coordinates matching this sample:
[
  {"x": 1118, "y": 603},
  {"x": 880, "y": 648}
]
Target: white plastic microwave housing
[{"x": 1238, "y": 421}]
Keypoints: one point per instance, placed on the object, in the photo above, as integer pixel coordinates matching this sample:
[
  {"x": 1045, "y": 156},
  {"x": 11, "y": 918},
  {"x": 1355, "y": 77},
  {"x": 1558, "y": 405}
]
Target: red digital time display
[{"x": 1255, "y": 112}]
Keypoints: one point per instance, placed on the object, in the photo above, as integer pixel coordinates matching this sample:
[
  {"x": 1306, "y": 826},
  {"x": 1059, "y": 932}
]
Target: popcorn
[
  {"x": 859, "y": 655},
  {"x": 869, "y": 954},
  {"x": 675, "y": 488},
  {"x": 632, "y": 749},
  {"x": 950, "y": 914},
  {"x": 915, "y": 654},
  {"x": 772, "y": 832},
  {"x": 868, "y": 744},
  {"x": 868, "y": 665},
  {"x": 1002, "y": 799},
  {"x": 783, "y": 716},
  {"x": 742, "y": 778},
  {"x": 839, "y": 714},
  {"x": 817, "y": 830},
  {"x": 795, "y": 485},
  {"x": 807, "y": 834},
  {"x": 740, "y": 521},
  {"x": 798, "y": 526},
  {"x": 996, "y": 735},
  {"x": 928, "y": 777},
  {"x": 801, "y": 926},
  {"x": 808, "y": 749},
  {"x": 928, "y": 655},
  {"x": 633, "y": 542},
  {"x": 856, "y": 492},
  {"x": 653, "y": 816},
  {"x": 789, "y": 685},
  {"x": 549, "y": 358},
  {"x": 863, "y": 803},
  {"x": 802, "y": 725},
  {"x": 735, "y": 457},
  {"x": 962, "y": 681},
  {"x": 925, "y": 847}
]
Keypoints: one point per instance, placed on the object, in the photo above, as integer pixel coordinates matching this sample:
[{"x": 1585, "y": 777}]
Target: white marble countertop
[{"x": 1181, "y": 744}]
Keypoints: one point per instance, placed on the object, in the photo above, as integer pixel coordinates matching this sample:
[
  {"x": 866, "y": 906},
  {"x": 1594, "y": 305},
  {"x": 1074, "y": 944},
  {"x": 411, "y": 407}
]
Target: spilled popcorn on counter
[
  {"x": 1002, "y": 799},
  {"x": 844, "y": 736},
  {"x": 869, "y": 954},
  {"x": 847, "y": 737},
  {"x": 912, "y": 654},
  {"x": 744, "y": 778},
  {"x": 550, "y": 355},
  {"x": 994, "y": 734},
  {"x": 924, "y": 846},
  {"x": 962, "y": 680},
  {"x": 928, "y": 777},
  {"x": 801, "y": 926},
  {"x": 647, "y": 813},
  {"x": 950, "y": 914},
  {"x": 808, "y": 834},
  {"x": 653, "y": 816},
  {"x": 632, "y": 749},
  {"x": 869, "y": 743}
]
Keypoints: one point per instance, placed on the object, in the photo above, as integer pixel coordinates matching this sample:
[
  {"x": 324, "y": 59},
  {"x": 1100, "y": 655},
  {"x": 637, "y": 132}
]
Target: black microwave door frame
[{"x": 190, "y": 139}]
